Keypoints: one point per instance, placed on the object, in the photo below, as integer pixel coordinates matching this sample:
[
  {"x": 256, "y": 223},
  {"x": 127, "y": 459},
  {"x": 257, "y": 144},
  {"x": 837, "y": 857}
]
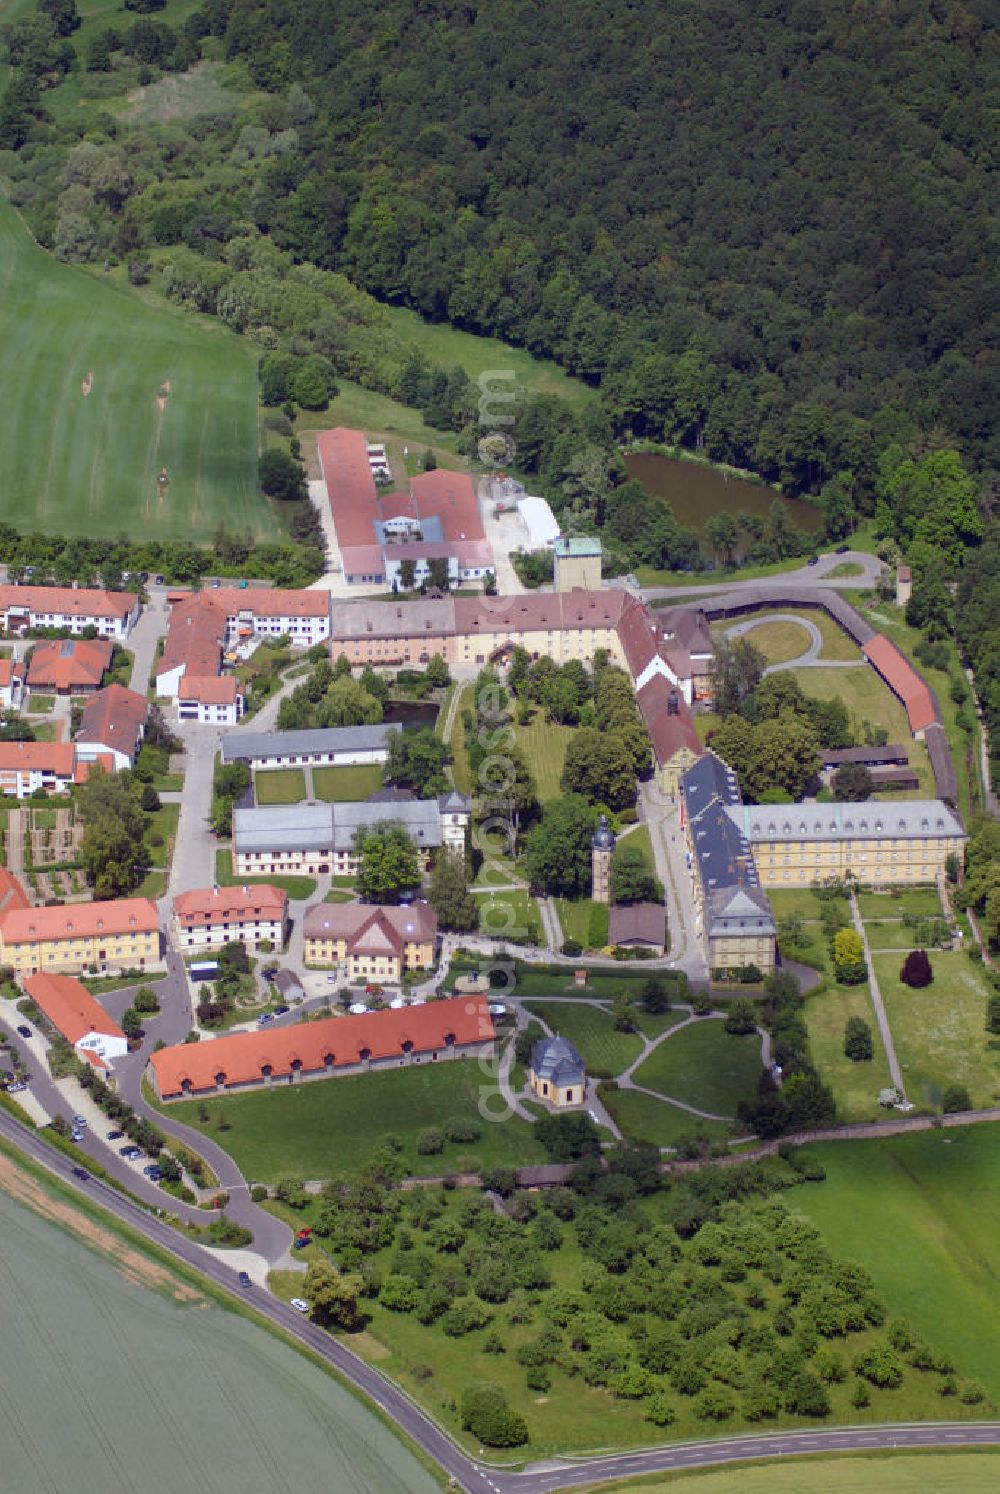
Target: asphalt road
[
  {"x": 806, "y": 575},
  {"x": 465, "y": 1471}
]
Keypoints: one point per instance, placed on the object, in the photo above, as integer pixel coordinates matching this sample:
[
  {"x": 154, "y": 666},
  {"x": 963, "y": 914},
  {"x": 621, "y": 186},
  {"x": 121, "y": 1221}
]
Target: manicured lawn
[
  {"x": 339, "y": 895},
  {"x": 152, "y": 885},
  {"x": 509, "y": 915},
  {"x": 923, "y": 902},
  {"x": 298, "y": 888},
  {"x": 939, "y": 1032},
  {"x": 864, "y": 694},
  {"x": 953, "y": 1472},
  {"x": 331, "y": 1126},
  {"x": 584, "y": 921},
  {"x": 836, "y": 643},
  {"x": 705, "y": 722},
  {"x": 644, "y": 1118},
  {"x": 855, "y": 1085},
  {"x": 800, "y": 900},
  {"x": 779, "y": 641},
  {"x": 41, "y": 704},
  {"x": 893, "y": 934},
  {"x": 347, "y": 785},
  {"x": 63, "y": 326},
  {"x": 544, "y": 746},
  {"x": 922, "y": 1212},
  {"x": 163, "y": 822},
  {"x": 280, "y": 786},
  {"x": 592, "y": 1033},
  {"x": 497, "y": 872},
  {"x": 704, "y": 1066}
]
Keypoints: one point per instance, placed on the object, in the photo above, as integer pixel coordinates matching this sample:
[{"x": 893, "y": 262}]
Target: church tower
[{"x": 602, "y": 850}]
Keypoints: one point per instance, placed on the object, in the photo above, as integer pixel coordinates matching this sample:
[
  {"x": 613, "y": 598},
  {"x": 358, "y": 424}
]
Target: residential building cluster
[
  {"x": 438, "y": 519},
  {"x": 27, "y": 609},
  {"x": 110, "y": 733}
]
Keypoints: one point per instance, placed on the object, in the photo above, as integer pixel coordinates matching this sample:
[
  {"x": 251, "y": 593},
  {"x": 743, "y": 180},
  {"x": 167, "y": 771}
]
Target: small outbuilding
[
  {"x": 556, "y": 1073},
  {"x": 638, "y": 926}
]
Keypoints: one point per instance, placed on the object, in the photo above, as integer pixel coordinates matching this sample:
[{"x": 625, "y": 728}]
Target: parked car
[
  {"x": 265, "y": 1018},
  {"x": 23, "y": 1031},
  {"x": 245, "y": 1281},
  {"x": 841, "y": 550},
  {"x": 76, "y": 1135},
  {"x": 813, "y": 560},
  {"x": 300, "y": 1304},
  {"x": 269, "y": 974},
  {"x": 16, "y": 1087},
  {"x": 82, "y": 1174},
  {"x": 114, "y": 1136},
  {"x": 279, "y": 1011},
  {"x": 154, "y": 1173},
  {"x": 158, "y": 580},
  {"x": 80, "y": 1121}
]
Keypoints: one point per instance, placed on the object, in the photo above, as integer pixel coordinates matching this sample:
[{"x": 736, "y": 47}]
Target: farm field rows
[
  {"x": 891, "y": 1473},
  {"x": 104, "y": 393}
]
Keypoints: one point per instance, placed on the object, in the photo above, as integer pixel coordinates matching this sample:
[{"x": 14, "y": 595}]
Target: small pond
[{"x": 695, "y": 492}]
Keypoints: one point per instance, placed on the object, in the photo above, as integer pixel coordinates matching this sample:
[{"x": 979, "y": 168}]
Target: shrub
[
  {"x": 880, "y": 1365},
  {"x": 462, "y": 1130},
  {"x": 399, "y": 1293},
  {"x": 858, "y": 1044},
  {"x": 486, "y": 1414},
  {"x": 916, "y": 970},
  {"x": 955, "y": 1098},
  {"x": 430, "y": 1142},
  {"x": 741, "y": 1018}
]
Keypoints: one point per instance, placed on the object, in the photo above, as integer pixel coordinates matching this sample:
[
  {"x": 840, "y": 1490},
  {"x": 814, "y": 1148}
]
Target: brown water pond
[{"x": 695, "y": 492}]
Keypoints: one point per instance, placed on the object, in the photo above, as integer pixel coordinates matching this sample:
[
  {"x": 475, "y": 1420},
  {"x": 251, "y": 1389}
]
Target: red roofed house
[
  {"x": 27, "y": 767},
  {"x": 24, "y": 608},
  {"x": 376, "y": 944},
  {"x": 676, "y": 744},
  {"x": 124, "y": 934},
  {"x": 193, "y": 645},
  {"x": 81, "y": 1020},
  {"x": 438, "y": 519},
  {"x": 216, "y": 699},
  {"x": 904, "y": 682},
  {"x": 112, "y": 724},
  {"x": 212, "y": 916},
  {"x": 70, "y": 666},
  {"x": 12, "y": 894},
  {"x": 439, "y": 1030},
  {"x": 11, "y": 684}
]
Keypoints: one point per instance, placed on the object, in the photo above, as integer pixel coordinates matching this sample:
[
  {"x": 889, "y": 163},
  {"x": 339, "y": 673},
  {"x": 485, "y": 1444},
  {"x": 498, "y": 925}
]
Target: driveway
[{"x": 143, "y": 640}]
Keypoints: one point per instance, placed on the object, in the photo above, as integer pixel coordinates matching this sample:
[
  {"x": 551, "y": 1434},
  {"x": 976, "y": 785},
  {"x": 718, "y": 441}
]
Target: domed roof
[{"x": 604, "y": 836}]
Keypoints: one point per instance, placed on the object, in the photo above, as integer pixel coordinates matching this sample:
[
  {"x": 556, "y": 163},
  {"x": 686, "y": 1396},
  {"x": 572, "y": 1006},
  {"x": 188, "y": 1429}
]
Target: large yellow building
[
  {"x": 880, "y": 842},
  {"x": 375, "y": 944},
  {"x": 82, "y": 936}
]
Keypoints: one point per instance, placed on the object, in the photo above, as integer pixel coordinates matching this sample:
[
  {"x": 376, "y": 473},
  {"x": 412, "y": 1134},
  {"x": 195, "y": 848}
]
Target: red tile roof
[
  {"x": 450, "y": 497},
  {"x": 12, "y": 894},
  {"x": 58, "y": 758},
  {"x": 10, "y": 669},
  {"x": 69, "y": 664},
  {"x": 69, "y": 1006},
  {"x": 350, "y": 487},
  {"x": 539, "y": 612},
  {"x": 128, "y": 915},
  {"x": 104, "y": 761},
  {"x": 271, "y": 601},
  {"x": 205, "y": 906},
  {"x": 195, "y": 636},
  {"x": 114, "y": 718},
  {"x": 668, "y": 732},
  {"x": 71, "y": 601},
  {"x": 208, "y": 689},
  {"x": 242, "y": 1057},
  {"x": 903, "y": 680}
]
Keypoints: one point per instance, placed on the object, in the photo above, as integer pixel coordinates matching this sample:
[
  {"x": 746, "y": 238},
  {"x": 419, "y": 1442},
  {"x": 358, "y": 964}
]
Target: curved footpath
[{"x": 434, "y": 1441}]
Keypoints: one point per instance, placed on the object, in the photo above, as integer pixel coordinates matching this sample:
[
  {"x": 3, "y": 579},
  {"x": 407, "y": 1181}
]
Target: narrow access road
[{"x": 468, "y": 1473}]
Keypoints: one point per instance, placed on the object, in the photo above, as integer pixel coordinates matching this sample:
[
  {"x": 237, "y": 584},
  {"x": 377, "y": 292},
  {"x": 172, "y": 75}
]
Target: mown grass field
[
  {"x": 347, "y": 785},
  {"x": 705, "y": 1066},
  {"x": 957, "y": 1472},
  {"x": 939, "y": 1032},
  {"x": 508, "y": 914},
  {"x": 583, "y": 920},
  {"x": 778, "y": 641},
  {"x": 88, "y": 463},
  {"x": 331, "y": 1126},
  {"x": 544, "y": 746},
  {"x": 644, "y": 1118},
  {"x": 591, "y": 1031},
  {"x": 868, "y": 699},
  {"x": 855, "y": 1085},
  {"x": 922, "y": 1212},
  {"x": 280, "y": 786}
]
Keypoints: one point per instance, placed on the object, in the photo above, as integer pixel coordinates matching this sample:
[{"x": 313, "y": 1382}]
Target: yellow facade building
[
  {"x": 556, "y": 1073},
  {"x": 373, "y": 944},
  {"x": 83, "y": 936},
  {"x": 879, "y": 842}
]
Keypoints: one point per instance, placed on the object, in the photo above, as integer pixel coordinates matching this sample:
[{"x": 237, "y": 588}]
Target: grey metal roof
[
  {"x": 557, "y": 1061},
  {"x": 242, "y": 746},
  {"x": 603, "y": 838},
  {"x": 904, "y": 819},
  {"x": 330, "y": 827},
  {"x": 454, "y": 803},
  {"x": 734, "y": 899}
]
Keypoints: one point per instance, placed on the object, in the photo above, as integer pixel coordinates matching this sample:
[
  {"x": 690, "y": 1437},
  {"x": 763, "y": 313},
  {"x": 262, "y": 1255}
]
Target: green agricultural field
[
  {"x": 591, "y": 1031},
  {"x": 298, "y": 888},
  {"x": 922, "y": 1212},
  {"x": 103, "y": 393},
  {"x": 939, "y": 1032},
  {"x": 280, "y": 786},
  {"x": 704, "y": 1066},
  {"x": 347, "y": 785},
  {"x": 544, "y": 746},
  {"x": 331, "y": 1126},
  {"x": 855, "y": 1085},
  {"x": 958, "y": 1472}
]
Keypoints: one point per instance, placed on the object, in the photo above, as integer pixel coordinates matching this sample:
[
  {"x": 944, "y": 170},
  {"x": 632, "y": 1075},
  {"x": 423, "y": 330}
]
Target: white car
[{"x": 300, "y": 1304}]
